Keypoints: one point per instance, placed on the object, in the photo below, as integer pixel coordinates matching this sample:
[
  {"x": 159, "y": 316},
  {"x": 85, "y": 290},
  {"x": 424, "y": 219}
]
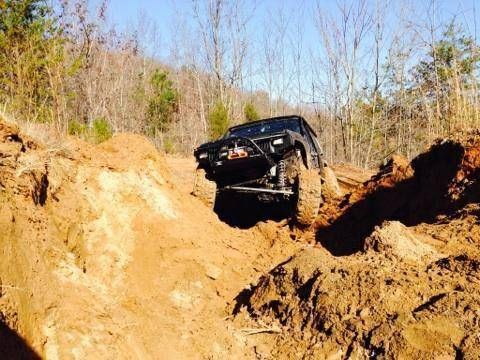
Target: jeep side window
[{"x": 293, "y": 125}]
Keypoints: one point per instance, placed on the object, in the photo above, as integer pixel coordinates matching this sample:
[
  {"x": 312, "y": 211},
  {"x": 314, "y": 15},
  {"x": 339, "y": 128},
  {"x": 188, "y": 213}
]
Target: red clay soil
[{"x": 397, "y": 274}]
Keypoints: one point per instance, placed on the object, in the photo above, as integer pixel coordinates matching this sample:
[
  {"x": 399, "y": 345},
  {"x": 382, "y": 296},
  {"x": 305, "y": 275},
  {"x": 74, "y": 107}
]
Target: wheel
[
  {"x": 330, "y": 182},
  {"x": 309, "y": 196},
  {"x": 203, "y": 188}
]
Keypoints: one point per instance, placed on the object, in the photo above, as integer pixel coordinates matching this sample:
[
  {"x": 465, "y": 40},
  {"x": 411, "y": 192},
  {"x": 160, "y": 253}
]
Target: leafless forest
[{"x": 372, "y": 77}]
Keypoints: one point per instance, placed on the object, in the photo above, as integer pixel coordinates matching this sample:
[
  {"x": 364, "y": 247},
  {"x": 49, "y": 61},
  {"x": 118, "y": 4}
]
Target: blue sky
[
  {"x": 122, "y": 13},
  {"x": 170, "y": 14}
]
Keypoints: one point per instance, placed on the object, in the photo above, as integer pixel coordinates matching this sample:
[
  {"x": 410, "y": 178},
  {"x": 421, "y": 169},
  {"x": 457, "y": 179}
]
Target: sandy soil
[{"x": 107, "y": 255}]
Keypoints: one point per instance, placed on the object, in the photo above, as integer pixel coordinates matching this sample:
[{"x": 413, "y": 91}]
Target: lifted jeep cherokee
[{"x": 275, "y": 159}]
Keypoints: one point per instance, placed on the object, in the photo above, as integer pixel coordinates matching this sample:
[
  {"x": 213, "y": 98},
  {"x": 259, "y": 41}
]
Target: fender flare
[{"x": 306, "y": 157}]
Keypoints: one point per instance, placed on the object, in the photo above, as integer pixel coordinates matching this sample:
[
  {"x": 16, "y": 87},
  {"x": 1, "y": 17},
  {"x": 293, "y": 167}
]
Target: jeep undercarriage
[{"x": 278, "y": 160}]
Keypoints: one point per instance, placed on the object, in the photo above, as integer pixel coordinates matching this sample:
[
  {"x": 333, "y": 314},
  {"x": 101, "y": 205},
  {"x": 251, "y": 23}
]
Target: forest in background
[{"x": 370, "y": 86}]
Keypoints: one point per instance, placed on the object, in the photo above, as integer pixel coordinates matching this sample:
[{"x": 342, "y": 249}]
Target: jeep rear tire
[
  {"x": 203, "y": 188},
  {"x": 309, "y": 196}
]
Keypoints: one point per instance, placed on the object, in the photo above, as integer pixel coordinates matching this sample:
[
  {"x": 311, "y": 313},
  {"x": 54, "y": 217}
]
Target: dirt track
[{"x": 105, "y": 254}]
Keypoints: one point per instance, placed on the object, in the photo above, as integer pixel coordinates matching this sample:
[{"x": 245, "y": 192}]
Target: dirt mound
[
  {"x": 398, "y": 274},
  {"x": 369, "y": 306},
  {"x": 104, "y": 257}
]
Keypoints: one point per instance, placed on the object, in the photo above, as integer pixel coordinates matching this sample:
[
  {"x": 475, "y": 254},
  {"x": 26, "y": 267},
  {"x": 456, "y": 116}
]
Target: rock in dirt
[
  {"x": 212, "y": 271},
  {"x": 393, "y": 239}
]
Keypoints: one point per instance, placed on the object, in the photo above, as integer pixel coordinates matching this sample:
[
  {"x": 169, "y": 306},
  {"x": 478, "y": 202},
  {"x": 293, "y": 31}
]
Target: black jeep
[{"x": 276, "y": 159}]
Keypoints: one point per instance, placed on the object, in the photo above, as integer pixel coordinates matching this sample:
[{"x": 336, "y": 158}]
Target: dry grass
[{"x": 48, "y": 135}]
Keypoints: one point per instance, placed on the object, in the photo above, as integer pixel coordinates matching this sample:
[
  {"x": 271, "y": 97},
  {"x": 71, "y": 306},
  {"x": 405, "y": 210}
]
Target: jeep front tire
[
  {"x": 203, "y": 188},
  {"x": 309, "y": 196}
]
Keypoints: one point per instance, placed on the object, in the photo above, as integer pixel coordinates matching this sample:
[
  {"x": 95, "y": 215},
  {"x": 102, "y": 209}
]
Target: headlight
[
  {"x": 277, "y": 141},
  {"x": 203, "y": 155}
]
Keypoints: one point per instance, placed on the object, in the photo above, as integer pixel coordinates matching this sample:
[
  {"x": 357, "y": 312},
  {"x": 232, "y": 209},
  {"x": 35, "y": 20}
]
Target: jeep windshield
[{"x": 264, "y": 127}]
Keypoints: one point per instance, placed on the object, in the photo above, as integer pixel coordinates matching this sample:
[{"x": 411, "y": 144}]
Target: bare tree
[{"x": 342, "y": 41}]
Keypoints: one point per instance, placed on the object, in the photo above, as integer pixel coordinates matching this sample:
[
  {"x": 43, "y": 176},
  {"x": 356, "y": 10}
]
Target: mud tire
[
  {"x": 309, "y": 196},
  {"x": 203, "y": 188},
  {"x": 330, "y": 182}
]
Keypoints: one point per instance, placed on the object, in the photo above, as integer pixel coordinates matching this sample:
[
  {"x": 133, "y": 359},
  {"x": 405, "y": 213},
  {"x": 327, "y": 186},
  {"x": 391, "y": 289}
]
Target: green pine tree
[
  {"x": 163, "y": 103},
  {"x": 250, "y": 112},
  {"x": 31, "y": 56},
  {"x": 218, "y": 120}
]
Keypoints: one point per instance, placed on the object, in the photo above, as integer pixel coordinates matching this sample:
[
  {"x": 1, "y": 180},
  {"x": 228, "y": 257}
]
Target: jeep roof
[{"x": 254, "y": 124}]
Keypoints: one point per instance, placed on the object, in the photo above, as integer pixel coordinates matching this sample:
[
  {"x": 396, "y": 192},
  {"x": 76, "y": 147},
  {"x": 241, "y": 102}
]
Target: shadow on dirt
[
  {"x": 13, "y": 346},
  {"x": 245, "y": 211},
  {"x": 417, "y": 199}
]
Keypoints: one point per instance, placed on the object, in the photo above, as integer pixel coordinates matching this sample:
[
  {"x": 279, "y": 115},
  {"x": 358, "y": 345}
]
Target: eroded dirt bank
[
  {"x": 103, "y": 256},
  {"x": 106, "y": 255},
  {"x": 396, "y": 273}
]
